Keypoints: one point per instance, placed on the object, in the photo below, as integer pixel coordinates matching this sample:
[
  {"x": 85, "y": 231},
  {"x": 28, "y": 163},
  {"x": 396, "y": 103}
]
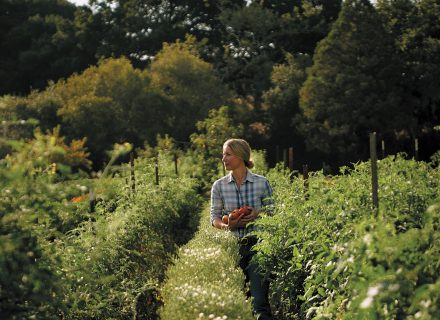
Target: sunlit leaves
[
  {"x": 190, "y": 83},
  {"x": 330, "y": 257}
]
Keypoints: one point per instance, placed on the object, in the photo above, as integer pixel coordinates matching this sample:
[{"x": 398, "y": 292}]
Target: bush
[
  {"x": 27, "y": 279},
  {"x": 111, "y": 262},
  {"x": 28, "y": 225},
  {"x": 327, "y": 252},
  {"x": 60, "y": 260}
]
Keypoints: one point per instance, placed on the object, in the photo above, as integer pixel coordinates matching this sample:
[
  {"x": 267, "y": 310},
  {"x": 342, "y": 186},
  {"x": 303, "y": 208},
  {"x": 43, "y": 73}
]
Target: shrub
[
  {"x": 314, "y": 246},
  {"x": 111, "y": 262},
  {"x": 59, "y": 260},
  {"x": 27, "y": 279}
]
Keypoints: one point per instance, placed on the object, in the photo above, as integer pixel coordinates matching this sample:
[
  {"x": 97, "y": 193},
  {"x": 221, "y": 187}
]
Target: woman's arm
[
  {"x": 233, "y": 223},
  {"x": 217, "y": 206},
  {"x": 219, "y": 224}
]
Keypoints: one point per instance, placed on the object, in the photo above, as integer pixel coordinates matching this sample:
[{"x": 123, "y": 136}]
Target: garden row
[
  {"x": 59, "y": 260},
  {"x": 204, "y": 281},
  {"x": 328, "y": 253},
  {"x": 330, "y": 257}
]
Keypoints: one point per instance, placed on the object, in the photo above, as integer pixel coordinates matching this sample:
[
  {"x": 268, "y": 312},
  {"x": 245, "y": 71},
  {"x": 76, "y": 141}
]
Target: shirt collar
[{"x": 249, "y": 177}]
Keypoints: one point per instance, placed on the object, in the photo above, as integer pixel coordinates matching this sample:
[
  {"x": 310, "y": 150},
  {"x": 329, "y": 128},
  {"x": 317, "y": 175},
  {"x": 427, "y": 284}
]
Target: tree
[
  {"x": 137, "y": 29},
  {"x": 303, "y": 22},
  {"x": 117, "y": 100},
  {"x": 189, "y": 83},
  {"x": 41, "y": 44},
  {"x": 259, "y": 35},
  {"x": 352, "y": 88},
  {"x": 248, "y": 48},
  {"x": 415, "y": 25},
  {"x": 257, "y": 38},
  {"x": 282, "y": 102},
  {"x": 208, "y": 141},
  {"x": 41, "y": 105}
]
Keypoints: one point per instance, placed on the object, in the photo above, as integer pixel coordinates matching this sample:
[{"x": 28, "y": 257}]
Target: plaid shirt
[{"x": 226, "y": 196}]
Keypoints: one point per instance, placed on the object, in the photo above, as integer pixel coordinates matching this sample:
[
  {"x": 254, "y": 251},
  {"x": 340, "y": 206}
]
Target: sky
[
  {"x": 79, "y": 2},
  {"x": 83, "y": 2}
]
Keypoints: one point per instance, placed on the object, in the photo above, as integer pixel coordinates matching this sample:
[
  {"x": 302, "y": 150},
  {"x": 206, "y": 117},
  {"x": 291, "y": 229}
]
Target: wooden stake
[
  {"x": 291, "y": 159},
  {"x": 133, "y": 181},
  {"x": 285, "y": 158},
  {"x": 157, "y": 170},
  {"x": 277, "y": 154},
  {"x": 374, "y": 179},
  {"x": 416, "y": 149},
  {"x": 92, "y": 200}
]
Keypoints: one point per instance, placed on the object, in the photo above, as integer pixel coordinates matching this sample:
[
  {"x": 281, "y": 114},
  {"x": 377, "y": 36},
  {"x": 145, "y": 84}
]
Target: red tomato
[
  {"x": 239, "y": 212},
  {"x": 246, "y": 210}
]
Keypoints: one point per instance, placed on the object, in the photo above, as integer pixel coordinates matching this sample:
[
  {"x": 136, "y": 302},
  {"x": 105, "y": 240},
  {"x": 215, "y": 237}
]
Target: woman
[{"x": 242, "y": 188}]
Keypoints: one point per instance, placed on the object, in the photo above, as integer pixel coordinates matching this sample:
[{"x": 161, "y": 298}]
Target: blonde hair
[{"x": 241, "y": 149}]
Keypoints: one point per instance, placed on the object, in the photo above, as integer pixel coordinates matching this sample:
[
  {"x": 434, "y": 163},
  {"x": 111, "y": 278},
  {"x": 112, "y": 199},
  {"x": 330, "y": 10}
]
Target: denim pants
[{"x": 258, "y": 286}]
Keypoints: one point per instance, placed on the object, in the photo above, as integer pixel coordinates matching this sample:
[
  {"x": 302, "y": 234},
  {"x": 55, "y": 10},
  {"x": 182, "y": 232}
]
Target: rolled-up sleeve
[{"x": 216, "y": 202}]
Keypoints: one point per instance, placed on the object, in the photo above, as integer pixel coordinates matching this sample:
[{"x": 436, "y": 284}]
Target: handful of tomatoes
[{"x": 236, "y": 213}]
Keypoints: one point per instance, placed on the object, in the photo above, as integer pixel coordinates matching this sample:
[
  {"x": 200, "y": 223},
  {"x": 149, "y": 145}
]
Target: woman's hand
[
  {"x": 242, "y": 220},
  {"x": 251, "y": 216},
  {"x": 234, "y": 223}
]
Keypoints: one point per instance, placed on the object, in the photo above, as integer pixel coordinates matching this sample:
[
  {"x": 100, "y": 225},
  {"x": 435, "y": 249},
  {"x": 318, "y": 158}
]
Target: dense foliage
[
  {"x": 59, "y": 259},
  {"x": 351, "y": 89},
  {"x": 330, "y": 257},
  {"x": 114, "y": 102},
  {"x": 84, "y": 235},
  {"x": 45, "y": 41},
  {"x": 317, "y": 76}
]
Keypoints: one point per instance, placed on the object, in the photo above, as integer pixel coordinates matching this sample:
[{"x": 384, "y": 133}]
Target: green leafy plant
[{"x": 330, "y": 257}]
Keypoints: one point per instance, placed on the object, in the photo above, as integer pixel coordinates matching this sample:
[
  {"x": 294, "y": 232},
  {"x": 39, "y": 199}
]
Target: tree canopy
[
  {"x": 317, "y": 75},
  {"x": 40, "y": 43},
  {"x": 116, "y": 102},
  {"x": 352, "y": 88},
  {"x": 191, "y": 85}
]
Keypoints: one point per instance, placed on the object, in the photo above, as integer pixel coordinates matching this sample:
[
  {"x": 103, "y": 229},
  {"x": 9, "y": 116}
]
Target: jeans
[{"x": 258, "y": 286}]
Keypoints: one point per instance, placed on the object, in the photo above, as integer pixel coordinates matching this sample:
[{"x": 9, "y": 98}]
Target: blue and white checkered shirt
[{"x": 226, "y": 196}]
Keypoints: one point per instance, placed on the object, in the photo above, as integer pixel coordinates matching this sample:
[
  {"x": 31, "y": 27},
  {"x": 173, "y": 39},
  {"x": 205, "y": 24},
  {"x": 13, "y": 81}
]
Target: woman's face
[{"x": 230, "y": 160}]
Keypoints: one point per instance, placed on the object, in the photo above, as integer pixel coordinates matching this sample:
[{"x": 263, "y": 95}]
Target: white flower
[
  {"x": 425, "y": 303},
  {"x": 367, "y": 239},
  {"x": 329, "y": 264},
  {"x": 373, "y": 291},
  {"x": 367, "y": 302}
]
